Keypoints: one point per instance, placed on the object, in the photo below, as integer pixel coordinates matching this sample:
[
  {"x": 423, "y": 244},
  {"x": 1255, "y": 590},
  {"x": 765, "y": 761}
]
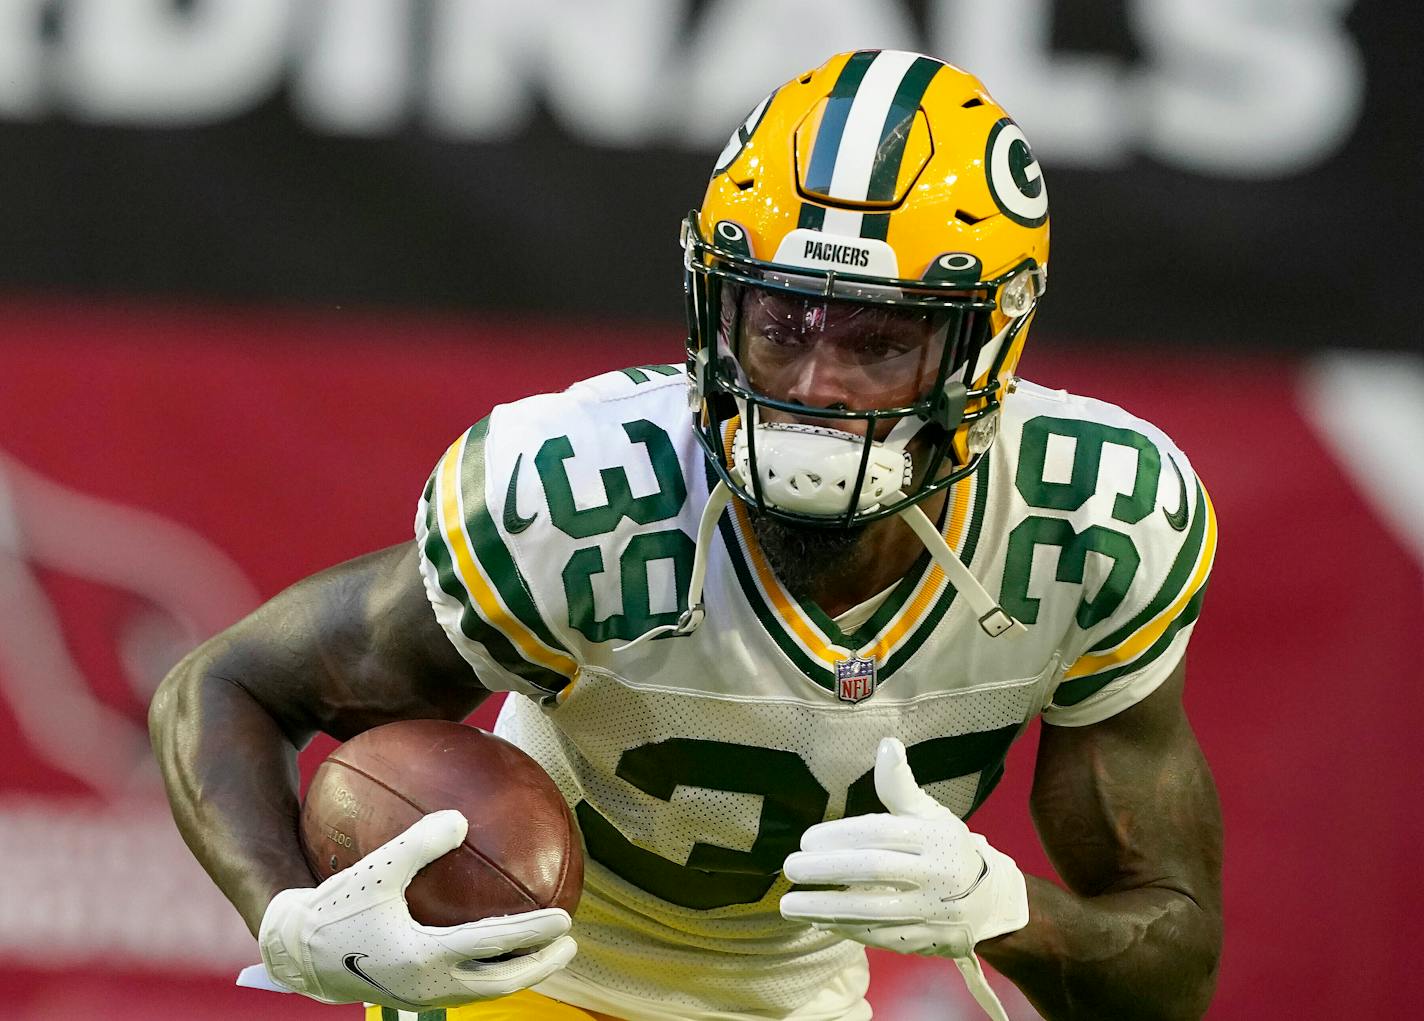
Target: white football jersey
[{"x": 562, "y": 527}]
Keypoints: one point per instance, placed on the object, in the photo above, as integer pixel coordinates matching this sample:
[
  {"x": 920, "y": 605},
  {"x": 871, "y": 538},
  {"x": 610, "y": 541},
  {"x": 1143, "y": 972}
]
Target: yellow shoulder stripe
[
  {"x": 1143, "y": 639},
  {"x": 474, "y": 578}
]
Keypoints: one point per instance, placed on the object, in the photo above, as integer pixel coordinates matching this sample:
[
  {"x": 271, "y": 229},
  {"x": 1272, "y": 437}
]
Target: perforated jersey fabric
[{"x": 561, "y": 527}]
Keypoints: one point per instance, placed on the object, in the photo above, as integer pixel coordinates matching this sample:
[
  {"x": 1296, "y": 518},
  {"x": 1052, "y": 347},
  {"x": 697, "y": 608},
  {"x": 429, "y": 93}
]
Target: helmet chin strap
[
  {"x": 993, "y": 619},
  {"x": 692, "y": 617}
]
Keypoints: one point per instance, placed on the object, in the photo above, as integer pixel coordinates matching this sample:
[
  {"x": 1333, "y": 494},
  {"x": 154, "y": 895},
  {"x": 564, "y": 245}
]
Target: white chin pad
[{"x": 810, "y": 469}]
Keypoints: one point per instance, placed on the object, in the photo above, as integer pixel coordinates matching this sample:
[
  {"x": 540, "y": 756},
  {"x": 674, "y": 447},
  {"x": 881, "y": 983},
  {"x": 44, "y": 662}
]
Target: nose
[{"x": 820, "y": 380}]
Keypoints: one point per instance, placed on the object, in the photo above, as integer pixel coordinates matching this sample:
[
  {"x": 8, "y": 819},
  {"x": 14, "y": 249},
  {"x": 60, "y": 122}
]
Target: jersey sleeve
[
  {"x": 1122, "y": 659},
  {"x": 481, "y": 598}
]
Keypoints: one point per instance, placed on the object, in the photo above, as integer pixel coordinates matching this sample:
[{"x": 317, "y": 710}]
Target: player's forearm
[
  {"x": 231, "y": 776},
  {"x": 1141, "y": 954}
]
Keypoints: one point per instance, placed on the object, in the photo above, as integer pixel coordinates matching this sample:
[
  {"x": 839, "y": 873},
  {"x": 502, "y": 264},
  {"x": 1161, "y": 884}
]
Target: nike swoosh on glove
[
  {"x": 352, "y": 939},
  {"x": 915, "y": 879}
]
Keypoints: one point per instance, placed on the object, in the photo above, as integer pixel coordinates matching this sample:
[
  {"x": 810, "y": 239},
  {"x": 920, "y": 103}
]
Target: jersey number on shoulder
[
  {"x": 643, "y": 550},
  {"x": 1089, "y": 438},
  {"x": 792, "y": 799}
]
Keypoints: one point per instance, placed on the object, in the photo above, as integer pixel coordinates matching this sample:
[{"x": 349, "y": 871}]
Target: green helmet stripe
[
  {"x": 833, "y": 121},
  {"x": 875, "y": 225},
  {"x": 896, "y": 130},
  {"x": 812, "y": 217}
]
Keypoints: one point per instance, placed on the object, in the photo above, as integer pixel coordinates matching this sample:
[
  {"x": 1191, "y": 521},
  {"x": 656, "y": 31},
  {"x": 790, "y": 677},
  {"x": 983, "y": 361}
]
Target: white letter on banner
[
  {"x": 603, "y": 65},
  {"x": 1377, "y": 443},
  {"x": 22, "y": 55},
  {"x": 743, "y": 49},
  {"x": 1249, "y": 88},
  {"x": 1075, "y": 109},
  {"x": 148, "y": 62},
  {"x": 355, "y": 76}
]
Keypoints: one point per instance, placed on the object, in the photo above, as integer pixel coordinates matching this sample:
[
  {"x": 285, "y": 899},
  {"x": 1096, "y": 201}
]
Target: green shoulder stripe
[
  {"x": 494, "y": 557},
  {"x": 1072, "y": 692},
  {"x": 639, "y": 374},
  {"x": 472, "y": 625}
]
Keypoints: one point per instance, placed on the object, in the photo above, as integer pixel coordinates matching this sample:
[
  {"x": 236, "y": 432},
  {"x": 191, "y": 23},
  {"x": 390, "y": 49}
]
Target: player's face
[{"x": 826, "y": 353}]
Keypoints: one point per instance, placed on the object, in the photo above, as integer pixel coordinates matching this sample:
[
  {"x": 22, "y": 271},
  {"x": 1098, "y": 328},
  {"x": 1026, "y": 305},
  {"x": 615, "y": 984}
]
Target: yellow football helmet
[{"x": 884, "y": 214}]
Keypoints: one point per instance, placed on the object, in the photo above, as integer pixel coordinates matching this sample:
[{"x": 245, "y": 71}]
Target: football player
[{"x": 771, "y": 620}]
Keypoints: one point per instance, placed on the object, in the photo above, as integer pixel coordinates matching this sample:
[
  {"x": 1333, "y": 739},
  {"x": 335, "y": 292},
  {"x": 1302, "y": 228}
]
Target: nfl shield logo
[{"x": 855, "y": 679}]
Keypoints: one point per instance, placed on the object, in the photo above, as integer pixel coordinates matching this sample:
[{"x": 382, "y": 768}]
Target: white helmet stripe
[
  {"x": 843, "y": 222},
  {"x": 860, "y": 141}
]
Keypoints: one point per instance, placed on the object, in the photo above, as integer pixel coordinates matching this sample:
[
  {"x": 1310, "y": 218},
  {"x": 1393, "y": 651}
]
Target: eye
[
  {"x": 879, "y": 347},
  {"x": 779, "y": 336}
]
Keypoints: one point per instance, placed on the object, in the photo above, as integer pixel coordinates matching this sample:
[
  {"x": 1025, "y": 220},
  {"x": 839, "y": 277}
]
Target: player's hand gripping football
[
  {"x": 915, "y": 879},
  {"x": 352, "y": 939}
]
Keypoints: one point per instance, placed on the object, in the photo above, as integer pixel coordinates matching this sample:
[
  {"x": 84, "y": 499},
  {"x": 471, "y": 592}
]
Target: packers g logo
[
  {"x": 1015, "y": 180},
  {"x": 740, "y": 137}
]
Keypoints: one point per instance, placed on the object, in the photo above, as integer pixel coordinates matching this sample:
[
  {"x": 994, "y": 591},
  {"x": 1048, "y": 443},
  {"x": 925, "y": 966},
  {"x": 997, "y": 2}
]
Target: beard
[{"x": 805, "y": 558}]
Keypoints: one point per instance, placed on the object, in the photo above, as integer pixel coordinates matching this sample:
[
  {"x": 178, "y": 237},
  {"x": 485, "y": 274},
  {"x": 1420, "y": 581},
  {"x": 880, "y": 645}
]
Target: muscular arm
[
  {"x": 340, "y": 652},
  {"x": 1128, "y": 813}
]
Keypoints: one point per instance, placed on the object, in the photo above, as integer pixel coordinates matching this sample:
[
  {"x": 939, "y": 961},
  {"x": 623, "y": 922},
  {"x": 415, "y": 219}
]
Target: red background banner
[{"x": 161, "y": 470}]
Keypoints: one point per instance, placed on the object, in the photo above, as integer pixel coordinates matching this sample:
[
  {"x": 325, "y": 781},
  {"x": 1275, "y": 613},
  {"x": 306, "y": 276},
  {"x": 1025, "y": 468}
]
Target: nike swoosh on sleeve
[
  {"x": 1178, "y": 518},
  {"x": 514, "y": 522}
]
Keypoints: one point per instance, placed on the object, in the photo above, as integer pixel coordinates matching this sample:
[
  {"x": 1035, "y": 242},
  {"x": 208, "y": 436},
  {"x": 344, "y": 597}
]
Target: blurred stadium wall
[{"x": 262, "y": 259}]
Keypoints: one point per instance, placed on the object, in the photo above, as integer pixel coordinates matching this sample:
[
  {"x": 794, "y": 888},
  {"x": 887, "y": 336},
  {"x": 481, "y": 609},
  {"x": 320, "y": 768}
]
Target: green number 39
[
  {"x": 1040, "y": 530},
  {"x": 642, "y": 550}
]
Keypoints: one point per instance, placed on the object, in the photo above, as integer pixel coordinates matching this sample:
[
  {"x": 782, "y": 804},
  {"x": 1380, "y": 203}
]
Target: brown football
[{"x": 522, "y": 851}]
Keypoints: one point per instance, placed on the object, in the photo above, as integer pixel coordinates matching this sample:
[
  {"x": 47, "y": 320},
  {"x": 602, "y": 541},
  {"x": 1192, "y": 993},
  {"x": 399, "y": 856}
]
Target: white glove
[
  {"x": 352, "y": 939},
  {"x": 916, "y": 880}
]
